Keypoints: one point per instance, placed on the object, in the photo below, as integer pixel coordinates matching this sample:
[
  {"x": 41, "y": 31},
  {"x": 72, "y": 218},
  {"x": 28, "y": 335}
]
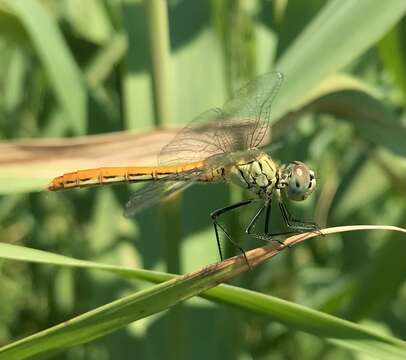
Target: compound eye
[{"x": 301, "y": 183}]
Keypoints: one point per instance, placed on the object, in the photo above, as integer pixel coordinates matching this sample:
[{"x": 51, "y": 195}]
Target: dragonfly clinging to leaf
[{"x": 222, "y": 144}]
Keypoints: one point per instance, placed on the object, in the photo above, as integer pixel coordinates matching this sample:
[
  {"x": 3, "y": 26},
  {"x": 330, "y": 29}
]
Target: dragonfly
[{"x": 221, "y": 144}]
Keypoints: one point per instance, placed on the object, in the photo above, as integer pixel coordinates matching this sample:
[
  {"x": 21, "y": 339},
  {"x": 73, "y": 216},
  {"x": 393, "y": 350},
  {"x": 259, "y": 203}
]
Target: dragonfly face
[{"x": 298, "y": 181}]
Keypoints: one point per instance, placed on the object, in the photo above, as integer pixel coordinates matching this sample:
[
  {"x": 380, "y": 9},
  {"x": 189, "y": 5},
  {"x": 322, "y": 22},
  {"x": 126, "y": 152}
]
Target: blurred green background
[{"x": 70, "y": 68}]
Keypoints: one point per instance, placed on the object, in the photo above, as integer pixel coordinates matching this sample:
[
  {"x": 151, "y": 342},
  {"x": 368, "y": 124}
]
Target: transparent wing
[
  {"x": 242, "y": 124},
  {"x": 198, "y": 140},
  {"x": 251, "y": 108},
  {"x": 152, "y": 194},
  {"x": 156, "y": 191}
]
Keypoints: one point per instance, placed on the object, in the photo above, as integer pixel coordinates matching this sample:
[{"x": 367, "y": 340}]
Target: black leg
[
  {"x": 266, "y": 236},
  {"x": 294, "y": 224},
  {"x": 251, "y": 225},
  {"x": 267, "y": 216},
  {"x": 215, "y": 215}
]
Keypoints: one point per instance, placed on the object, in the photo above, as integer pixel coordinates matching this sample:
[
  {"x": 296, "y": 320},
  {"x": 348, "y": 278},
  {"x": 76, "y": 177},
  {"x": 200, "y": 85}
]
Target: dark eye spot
[
  {"x": 297, "y": 184},
  {"x": 310, "y": 184}
]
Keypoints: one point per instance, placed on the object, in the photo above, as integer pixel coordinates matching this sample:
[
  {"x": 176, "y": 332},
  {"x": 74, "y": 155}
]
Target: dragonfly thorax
[
  {"x": 259, "y": 175},
  {"x": 262, "y": 176}
]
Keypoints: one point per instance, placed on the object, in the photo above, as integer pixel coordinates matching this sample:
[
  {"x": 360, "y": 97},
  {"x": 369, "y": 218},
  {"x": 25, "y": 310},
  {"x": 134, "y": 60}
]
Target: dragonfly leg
[
  {"x": 253, "y": 221},
  {"x": 294, "y": 224},
  {"x": 266, "y": 236},
  {"x": 216, "y": 214},
  {"x": 267, "y": 216}
]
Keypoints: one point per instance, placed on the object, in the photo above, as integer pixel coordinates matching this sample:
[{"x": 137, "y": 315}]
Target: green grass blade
[
  {"x": 103, "y": 63},
  {"x": 136, "y": 76},
  {"x": 391, "y": 51},
  {"x": 117, "y": 314},
  {"x": 169, "y": 217},
  {"x": 63, "y": 73},
  {"x": 337, "y": 35},
  {"x": 158, "y": 23},
  {"x": 381, "y": 282},
  {"x": 333, "y": 329},
  {"x": 370, "y": 117}
]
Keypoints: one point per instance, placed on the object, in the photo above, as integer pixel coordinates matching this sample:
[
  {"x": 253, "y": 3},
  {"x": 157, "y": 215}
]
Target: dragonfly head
[{"x": 300, "y": 181}]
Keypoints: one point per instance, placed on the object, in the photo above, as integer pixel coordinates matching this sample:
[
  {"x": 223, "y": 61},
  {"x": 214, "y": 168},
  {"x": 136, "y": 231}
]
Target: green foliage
[
  {"x": 172, "y": 290},
  {"x": 73, "y": 67}
]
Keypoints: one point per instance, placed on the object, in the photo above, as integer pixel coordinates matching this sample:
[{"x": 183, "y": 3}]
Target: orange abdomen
[{"x": 116, "y": 175}]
